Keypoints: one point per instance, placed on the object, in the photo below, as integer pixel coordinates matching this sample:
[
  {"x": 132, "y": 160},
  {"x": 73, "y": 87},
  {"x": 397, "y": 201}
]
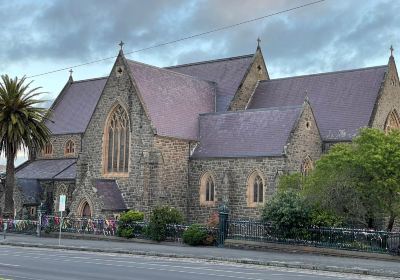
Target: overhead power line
[{"x": 182, "y": 39}]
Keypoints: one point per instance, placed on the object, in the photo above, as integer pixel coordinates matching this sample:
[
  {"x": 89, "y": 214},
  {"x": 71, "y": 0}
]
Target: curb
[{"x": 358, "y": 271}]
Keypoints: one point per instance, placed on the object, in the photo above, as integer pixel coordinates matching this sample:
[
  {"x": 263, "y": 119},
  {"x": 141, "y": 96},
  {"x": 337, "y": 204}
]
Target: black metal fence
[
  {"x": 336, "y": 238},
  {"x": 18, "y": 226},
  {"x": 106, "y": 227}
]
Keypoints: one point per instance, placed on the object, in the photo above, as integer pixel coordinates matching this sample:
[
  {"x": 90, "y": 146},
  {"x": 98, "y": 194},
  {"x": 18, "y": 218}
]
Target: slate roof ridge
[
  {"x": 280, "y": 108},
  {"x": 172, "y": 72},
  {"x": 89, "y": 80},
  {"x": 325, "y": 73},
  {"x": 210, "y": 61}
]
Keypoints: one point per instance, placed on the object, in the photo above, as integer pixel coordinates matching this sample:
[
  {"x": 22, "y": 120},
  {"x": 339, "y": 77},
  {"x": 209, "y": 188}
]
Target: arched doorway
[{"x": 86, "y": 211}]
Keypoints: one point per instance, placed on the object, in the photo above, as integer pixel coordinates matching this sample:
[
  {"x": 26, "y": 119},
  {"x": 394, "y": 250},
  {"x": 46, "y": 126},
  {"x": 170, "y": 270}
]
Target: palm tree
[{"x": 21, "y": 127}]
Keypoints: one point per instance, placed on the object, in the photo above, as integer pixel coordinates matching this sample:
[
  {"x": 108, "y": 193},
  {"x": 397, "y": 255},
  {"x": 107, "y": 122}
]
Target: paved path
[
  {"x": 54, "y": 264},
  {"x": 310, "y": 261}
]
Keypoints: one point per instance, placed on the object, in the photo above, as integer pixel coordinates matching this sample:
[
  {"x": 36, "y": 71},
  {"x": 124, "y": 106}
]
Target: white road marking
[{"x": 7, "y": 264}]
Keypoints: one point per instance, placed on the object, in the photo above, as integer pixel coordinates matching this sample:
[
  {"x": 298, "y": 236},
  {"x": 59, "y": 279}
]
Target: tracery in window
[
  {"x": 48, "y": 149},
  {"x": 70, "y": 147},
  {"x": 116, "y": 150},
  {"x": 207, "y": 189},
  {"x": 392, "y": 121},
  {"x": 255, "y": 189},
  {"x": 307, "y": 166}
]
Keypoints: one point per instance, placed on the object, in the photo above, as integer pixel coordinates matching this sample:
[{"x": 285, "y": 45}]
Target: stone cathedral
[{"x": 197, "y": 135}]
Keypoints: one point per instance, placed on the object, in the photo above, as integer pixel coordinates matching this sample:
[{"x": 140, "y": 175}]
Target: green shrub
[
  {"x": 289, "y": 213},
  {"x": 159, "y": 219},
  {"x": 321, "y": 218},
  {"x": 195, "y": 235},
  {"x": 127, "y": 224}
]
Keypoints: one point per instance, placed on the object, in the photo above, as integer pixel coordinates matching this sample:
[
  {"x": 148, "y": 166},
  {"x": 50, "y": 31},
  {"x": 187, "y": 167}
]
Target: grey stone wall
[
  {"x": 256, "y": 73},
  {"x": 58, "y": 142},
  {"x": 157, "y": 165},
  {"x": 231, "y": 178},
  {"x": 389, "y": 98},
  {"x": 304, "y": 141},
  {"x": 119, "y": 89},
  {"x": 174, "y": 178}
]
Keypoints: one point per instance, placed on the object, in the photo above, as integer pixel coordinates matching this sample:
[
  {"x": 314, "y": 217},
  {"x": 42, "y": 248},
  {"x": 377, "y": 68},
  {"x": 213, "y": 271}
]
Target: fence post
[
  {"x": 39, "y": 224},
  {"x": 223, "y": 224}
]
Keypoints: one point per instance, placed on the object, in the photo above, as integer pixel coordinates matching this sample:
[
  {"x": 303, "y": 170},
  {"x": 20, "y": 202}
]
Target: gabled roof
[
  {"x": 110, "y": 194},
  {"x": 250, "y": 133},
  {"x": 72, "y": 110},
  {"x": 173, "y": 100},
  {"x": 31, "y": 191},
  {"x": 226, "y": 73},
  {"x": 342, "y": 101},
  {"x": 47, "y": 169}
]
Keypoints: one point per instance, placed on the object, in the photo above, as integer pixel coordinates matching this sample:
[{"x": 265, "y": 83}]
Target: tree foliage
[
  {"x": 360, "y": 181},
  {"x": 21, "y": 126}
]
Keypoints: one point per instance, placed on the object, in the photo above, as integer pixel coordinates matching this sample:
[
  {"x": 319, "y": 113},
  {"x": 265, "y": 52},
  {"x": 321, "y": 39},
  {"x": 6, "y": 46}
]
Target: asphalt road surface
[{"x": 42, "y": 264}]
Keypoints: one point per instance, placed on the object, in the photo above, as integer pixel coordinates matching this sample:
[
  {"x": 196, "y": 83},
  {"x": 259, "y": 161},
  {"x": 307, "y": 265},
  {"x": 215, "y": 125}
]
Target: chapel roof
[
  {"x": 73, "y": 108},
  {"x": 31, "y": 191},
  {"x": 173, "y": 100},
  {"x": 48, "y": 169},
  {"x": 110, "y": 194},
  {"x": 342, "y": 101},
  {"x": 227, "y": 73},
  {"x": 249, "y": 133}
]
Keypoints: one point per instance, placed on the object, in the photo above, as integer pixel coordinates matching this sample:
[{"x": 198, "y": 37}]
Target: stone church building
[{"x": 196, "y": 135}]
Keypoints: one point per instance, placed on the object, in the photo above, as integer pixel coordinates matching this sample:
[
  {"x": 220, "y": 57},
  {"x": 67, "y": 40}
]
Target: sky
[{"x": 41, "y": 36}]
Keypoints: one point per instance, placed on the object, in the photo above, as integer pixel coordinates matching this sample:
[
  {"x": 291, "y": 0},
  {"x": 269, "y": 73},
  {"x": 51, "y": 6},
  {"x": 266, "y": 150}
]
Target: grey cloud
[{"x": 327, "y": 36}]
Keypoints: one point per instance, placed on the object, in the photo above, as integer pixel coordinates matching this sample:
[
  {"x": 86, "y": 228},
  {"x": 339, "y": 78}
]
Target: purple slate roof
[
  {"x": 226, "y": 73},
  {"x": 173, "y": 100},
  {"x": 74, "y": 107},
  {"x": 47, "y": 169},
  {"x": 342, "y": 101},
  {"x": 31, "y": 191},
  {"x": 109, "y": 192},
  {"x": 248, "y": 133}
]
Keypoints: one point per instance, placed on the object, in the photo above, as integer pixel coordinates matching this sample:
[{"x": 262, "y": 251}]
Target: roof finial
[
  {"x": 121, "y": 44},
  {"x": 306, "y": 99},
  {"x": 391, "y": 50},
  {"x": 70, "y": 72},
  {"x": 258, "y": 42}
]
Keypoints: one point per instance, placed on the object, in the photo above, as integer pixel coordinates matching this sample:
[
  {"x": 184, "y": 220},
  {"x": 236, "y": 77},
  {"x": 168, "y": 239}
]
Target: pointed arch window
[
  {"x": 207, "y": 189},
  {"x": 117, "y": 141},
  {"x": 70, "y": 148},
  {"x": 307, "y": 166},
  {"x": 48, "y": 149},
  {"x": 255, "y": 189},
  {"x": 392, "y": 121}
]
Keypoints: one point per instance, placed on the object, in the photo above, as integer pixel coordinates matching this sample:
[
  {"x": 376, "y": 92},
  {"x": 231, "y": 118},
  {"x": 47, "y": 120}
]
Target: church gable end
[
  {"x": 388, "y": 100},
  {"x": 305, "y": 143},
  {"x": 257, "y": 71}
]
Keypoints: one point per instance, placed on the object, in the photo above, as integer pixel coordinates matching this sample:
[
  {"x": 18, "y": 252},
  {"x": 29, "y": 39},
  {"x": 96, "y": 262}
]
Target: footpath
[{"x": 374, "y": 267}]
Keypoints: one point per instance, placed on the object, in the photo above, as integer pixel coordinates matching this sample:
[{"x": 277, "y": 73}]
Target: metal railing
[
  {"x": 336, "y": 238},
  {"x": 18, "y": 226}
]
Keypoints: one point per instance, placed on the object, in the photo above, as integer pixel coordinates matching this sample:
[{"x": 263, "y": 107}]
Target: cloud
[{"x": 326, "y": 36}]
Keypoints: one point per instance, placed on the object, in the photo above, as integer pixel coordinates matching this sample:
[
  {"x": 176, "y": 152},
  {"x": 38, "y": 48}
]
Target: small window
[
  {"x": 308, "y": 125},
  {"x": 207, "y": 189},
  {"x": 48, "y": 149},
  {"x": 70, "y": 148},
  {"x": 255, "y": 190}
]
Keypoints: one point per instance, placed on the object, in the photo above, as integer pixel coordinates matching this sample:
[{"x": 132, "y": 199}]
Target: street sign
[{"x": 61, "y": 206}]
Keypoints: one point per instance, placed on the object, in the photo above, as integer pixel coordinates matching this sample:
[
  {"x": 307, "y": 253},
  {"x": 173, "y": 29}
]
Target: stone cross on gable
[
  {"x": 391, "y": 50},
  {"x": 121, "y": 44},
  {"x": 258, "y": 42}
]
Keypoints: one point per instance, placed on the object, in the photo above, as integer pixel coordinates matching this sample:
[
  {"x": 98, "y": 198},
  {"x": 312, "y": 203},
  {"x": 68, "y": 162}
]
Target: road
[{"x": 52, "y": 264}]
